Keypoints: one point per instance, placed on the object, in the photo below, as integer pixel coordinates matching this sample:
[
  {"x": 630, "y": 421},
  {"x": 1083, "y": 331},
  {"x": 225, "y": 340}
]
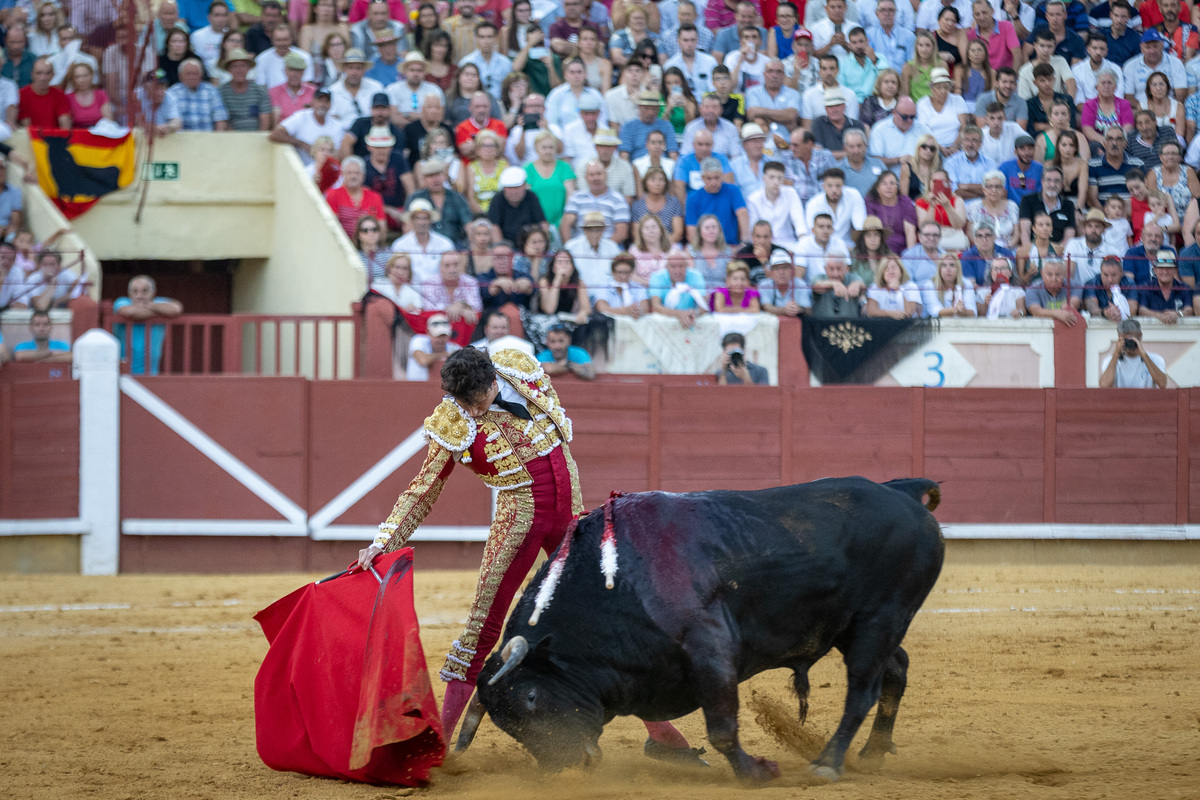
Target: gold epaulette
[
  {"x": 450, "y": 426},
  {"x": 517, "y": 365}
]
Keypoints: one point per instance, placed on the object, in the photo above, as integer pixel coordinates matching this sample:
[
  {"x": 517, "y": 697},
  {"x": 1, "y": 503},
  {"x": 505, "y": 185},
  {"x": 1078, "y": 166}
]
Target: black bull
[{"x": 711, "y": 589}]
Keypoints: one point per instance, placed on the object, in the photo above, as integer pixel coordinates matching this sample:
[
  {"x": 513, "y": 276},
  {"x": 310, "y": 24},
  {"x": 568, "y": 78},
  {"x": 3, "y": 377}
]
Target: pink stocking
[
  {"x": 457, "y": 695},
  {"x": 665, "y": 733}
]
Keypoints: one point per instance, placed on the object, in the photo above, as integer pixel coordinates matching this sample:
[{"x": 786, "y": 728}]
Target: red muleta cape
[{"x": 344, "y": 691}]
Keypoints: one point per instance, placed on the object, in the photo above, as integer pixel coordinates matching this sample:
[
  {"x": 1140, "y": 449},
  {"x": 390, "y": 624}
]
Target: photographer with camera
[
  {"x": 1131, "y": 366},
  {"x": 735, "y": 369}
]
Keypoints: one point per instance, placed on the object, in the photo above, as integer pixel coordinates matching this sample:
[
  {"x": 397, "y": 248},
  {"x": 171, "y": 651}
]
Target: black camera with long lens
[{"x": 736, "y": 359}]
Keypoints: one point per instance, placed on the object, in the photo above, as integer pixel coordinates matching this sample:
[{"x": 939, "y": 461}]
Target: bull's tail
[{"x": 918, "y": 489}]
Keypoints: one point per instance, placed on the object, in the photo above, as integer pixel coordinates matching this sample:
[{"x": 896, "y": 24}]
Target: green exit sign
[{"x": 162, "y": 171}]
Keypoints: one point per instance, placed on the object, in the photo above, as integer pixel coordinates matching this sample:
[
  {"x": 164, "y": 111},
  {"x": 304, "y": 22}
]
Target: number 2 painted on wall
[{"x": 936, "y": 368}]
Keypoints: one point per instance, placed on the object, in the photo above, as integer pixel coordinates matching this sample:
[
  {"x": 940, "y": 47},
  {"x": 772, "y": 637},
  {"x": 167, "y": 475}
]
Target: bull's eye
[{"x": 531, "y": 699}]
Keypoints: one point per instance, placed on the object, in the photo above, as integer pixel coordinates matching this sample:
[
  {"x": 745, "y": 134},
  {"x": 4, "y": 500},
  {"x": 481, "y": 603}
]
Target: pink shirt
[
  {"x": 288, "y": 104},
  {"x": 1000, "y": 45}
]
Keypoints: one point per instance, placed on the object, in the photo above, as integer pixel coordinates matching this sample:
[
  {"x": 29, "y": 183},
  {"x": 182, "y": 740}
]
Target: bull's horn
[
  {"x": 513, "y": 654},
  {"x": 470, "y": 726}
]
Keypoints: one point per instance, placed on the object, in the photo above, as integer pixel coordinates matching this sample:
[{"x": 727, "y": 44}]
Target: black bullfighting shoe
[{"x": 688, "y": 756}]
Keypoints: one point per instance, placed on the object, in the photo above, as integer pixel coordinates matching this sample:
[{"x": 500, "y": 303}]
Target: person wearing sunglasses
[{"x": 894, "y": 138}]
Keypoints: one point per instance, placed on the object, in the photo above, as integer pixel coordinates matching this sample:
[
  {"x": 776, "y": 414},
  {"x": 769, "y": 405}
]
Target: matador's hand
[{"x": 365, "y": 557}]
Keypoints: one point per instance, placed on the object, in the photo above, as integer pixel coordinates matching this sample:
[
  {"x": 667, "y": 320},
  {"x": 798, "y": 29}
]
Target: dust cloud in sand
[{"x": 1054, "y": 682}]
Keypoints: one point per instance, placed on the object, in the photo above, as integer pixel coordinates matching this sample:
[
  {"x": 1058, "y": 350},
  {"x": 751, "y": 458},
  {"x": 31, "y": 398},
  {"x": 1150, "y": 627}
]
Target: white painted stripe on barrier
[
  {"x": 339, "y": 505},
  {"x": 1065, "y": 531},
  {"x": 43, "y": 527},
  {"x": 425, "y": 533},
  {"x": 211, "y": 527},
  {"x": 215, "y": 452}
]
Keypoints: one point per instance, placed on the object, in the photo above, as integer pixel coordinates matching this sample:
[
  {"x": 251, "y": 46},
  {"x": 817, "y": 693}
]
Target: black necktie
[{"x": 516, "y": 409}]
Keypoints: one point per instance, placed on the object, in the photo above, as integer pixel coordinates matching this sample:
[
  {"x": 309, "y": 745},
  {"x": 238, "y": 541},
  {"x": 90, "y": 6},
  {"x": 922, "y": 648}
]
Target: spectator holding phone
[
  {"x": 947, "y": 209},
  {"x": 1131, "y": 366}
]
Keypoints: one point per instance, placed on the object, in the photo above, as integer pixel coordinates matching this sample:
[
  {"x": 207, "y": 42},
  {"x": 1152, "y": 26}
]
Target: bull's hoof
[
  {"x": 687, "y": 756},
  {"x": 870, "y": 758},
  {"x": 823, "y": 773}
]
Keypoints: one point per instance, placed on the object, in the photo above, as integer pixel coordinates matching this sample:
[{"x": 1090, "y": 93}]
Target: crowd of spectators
[{"x": 562, "y": 162}]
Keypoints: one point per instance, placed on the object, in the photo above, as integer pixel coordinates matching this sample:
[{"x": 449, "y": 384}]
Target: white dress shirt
[
  {"x": 270, "y": 72},
  {"x": 348, "y": 107},
  {"x": 850, "y": 214},
  {"x": 785, "y": 214}
]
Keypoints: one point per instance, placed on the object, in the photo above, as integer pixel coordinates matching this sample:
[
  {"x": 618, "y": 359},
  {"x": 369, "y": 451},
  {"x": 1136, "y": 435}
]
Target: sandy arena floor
[{"x": 1025, "y": 682}]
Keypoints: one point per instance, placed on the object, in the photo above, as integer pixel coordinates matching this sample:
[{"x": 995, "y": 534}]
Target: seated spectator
[
  {"x": 352, "y": 200},
  {"x": 870, "y": 249},
  {"x": 479, "y": 246},
  {"x": 596, "y": 196},
  {"x": 688, "y": 177},
  {"x": 18, "y": 60},
  {"x": 480, "y": 180},
  {"x": 142, "y": 306},
  {"x": 895, "y": 210},
  {"x": 455, "y": 294},
  {"x": 516, "y": 207},
  {"x": 1107, "y": 110},
  {"x": 422, "y": 243},
  {"x": 41, "y": 348},
  {"x": 1106, "y": 173},
  {"x": 748, "y": 167},
  {"x": 1088, "y": 251},
  {"x": 427, "y": 351},
  {"x": 921, "y": 258},
  {"x": 407, "y": 95},
  {"x": 1050, "y": 298},
  {"x": 861, "y": 171},
  {"x": 725, "y": 135},
  {"x": 623, "y": 297},
  {"x": 418, "y": 133},
  {"x": 655, "y": 201},
  {"x": 681, "y": 106},
  {"x": 43, "y": 105},
  {"x": 784, "y": 293},
  {"x": 892, "y": 294},
  {"x": 844, "y": 206},
  {"x": 655, "y": 156},
  {"x": 619, "y": 171},
  {"x": 534, "y": 244},
  {"x": 561, "y": 357},
  {"x": 493, "y": 66},
  {"x": 175, "y": 51},
  {"x": 735, "y": 369},
  {"x": 479, "y": 120},
  {"x": 441, "y": 70},
  {"x": 1058, "y": 69},
  {"x": 679, "y": 291},
  {"x": 1131, "y": 365},
  {"x": 562, "y": 299},
  {"x": 1169, "y": 298},
  {"x": 1139, "y": 259},
  {"x": 293, "y": 95},
  {"x": 830, "y": 128},
  {"x": 709, "y": 250},
  {"x": 1049, "y": 201},
  {"x": 550, "y": 179},
  {"x": 999, "y": 134},
  {"x": 948, "y": 295},
  {"x": 976, "y": 259},
  {"x": 88, "y": 104},
  {"x": 1046, "y": 97},
  {"x": 397, "y": 286},
  {"x": 1110, "y": 294},
  {"x": 48, "y": 285},
  {"x": 1119, "y": 236},
  {"x": 159, "y": 106},
  {"x": 738, "y": 295},
  {"x": 621, "y": 101},
  {"x": 881, "y": 103},
  {"x": 635, "y": 133},
  {"x": 720, "y": 199},
  {"x": 757, "y": 252},
  {"x": 649, "y": 249},
  {"x": 945, "y": 114},
  {"x": 326, "y": 169},
  {"x": 505, "y": 289},
  {"x": 368, "y": 241},
  {"x": 1146, "y": 140},
  {"x": 495, "y": 327},
  {"x": 453, "y": 214},
  {"x": 521, "y": 148},
  {"x": 302, "y": 128},
  {"x": 939, "y": 204},
  {"x": 815, "y": 247},
  {"x": 778, "y": 205},
  {"x": 270, "y": 65},
  {"x": 1022, "y": 174},
  {"x": 246, "y": 101},
  {"x": 592, "y": 253},
  {"x": 997, "y": 297},
  {"x": 835, "y": 293},
  {"x": 916, "y": 171},
  {"x": 1031, "y": 257}
]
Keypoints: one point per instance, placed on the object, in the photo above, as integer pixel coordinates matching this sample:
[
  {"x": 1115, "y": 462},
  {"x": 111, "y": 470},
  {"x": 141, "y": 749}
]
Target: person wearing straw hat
[
  {"x": 388, "y": 173},
  {"x": 247, "y": 102},
  {"x": 1168, "y": 298},
  {"x": 748, "y": 167},
  {"x": 829, "y": 128},
  {"x": 269, "y": 69},
  {"x": 944, "y": 113},
  {"x": 593, "y": 253},
  {"x": 352, "y": 93},
  {"x": 621, "y": 178},
  {"x": 515, "y": 207},
  {"x": 634, "y": 132},
  {"x": 408, "y": 94},
  {"x": 377, "y": 24},
  {"x": 1087, "y": 252},
  {"x": 386, "y": 65},
  {"x": 294, "y": 94},
  {"x": 870, "y": 248},
  {"x": 422, "y": 245}
]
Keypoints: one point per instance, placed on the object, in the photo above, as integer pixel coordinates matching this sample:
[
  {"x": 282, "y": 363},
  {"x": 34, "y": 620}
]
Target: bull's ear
[{"x": 539, "y": 657}]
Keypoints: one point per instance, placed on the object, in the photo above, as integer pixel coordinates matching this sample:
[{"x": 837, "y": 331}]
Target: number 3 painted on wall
[{"x": 936, "y": 368}]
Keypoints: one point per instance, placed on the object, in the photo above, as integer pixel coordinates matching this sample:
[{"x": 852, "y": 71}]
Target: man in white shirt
[
  {"x": 408, "y": 94},
  {"x": 622, "y": 297},
  {"x": 422, "y": 245},
  {"x": 567, "y": 99},
  {"x": 578, "y": 133},
  {"x": 778, "y": 205},
  {"x": 1086, "y": 253},
  {"x": 1085, "y": 72},
  {"x": 269, "y": 68},
  {"x": 1153, "y": 59},
  {"x": 427, "y": 351},
  {"x": 593, "y": 253},
  {"x": 928, "y": 11},
  {"x": 1133, "y": 367},
  {"x": 1000, "y": 135},
  {"x": 696, "y": 66},
  {"x": 894, "y": 138},
  {"x": 305, "y": 127},
  {"x": 520, "y": 147},
  {"x": 845, "y": 206},
  {"x": 206, "y": 42},
  {"x": 1043, "y": 53},
  {"x": 352, "y": 93},
  {"x": 815, "y": 248},
  {"x": 829, "y": 34},
  {"x": 493, "y": 67}
]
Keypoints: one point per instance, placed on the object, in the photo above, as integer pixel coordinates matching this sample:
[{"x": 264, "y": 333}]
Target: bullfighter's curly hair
[{"x": 467, "y": 374}]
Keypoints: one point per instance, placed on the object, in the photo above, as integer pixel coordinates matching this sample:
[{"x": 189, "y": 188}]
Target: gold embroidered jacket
[{"x": 495, "y": 447}]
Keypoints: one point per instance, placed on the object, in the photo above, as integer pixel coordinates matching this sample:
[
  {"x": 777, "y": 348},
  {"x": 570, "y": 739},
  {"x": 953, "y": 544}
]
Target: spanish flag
[{"x": 76, "y": 168}]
